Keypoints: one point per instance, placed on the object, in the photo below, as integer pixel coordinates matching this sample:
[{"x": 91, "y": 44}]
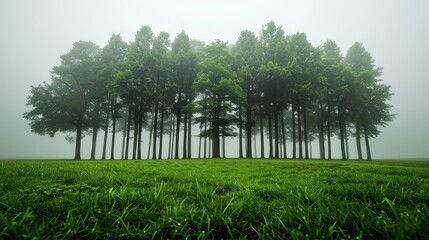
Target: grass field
[{"x": 214, "y": 199}]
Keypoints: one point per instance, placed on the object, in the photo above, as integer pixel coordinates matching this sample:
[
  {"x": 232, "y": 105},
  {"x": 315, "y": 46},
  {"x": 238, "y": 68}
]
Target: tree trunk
[
  {"x": 115, "y": 109},
  {"x": 261, "y": 126},
  {"x": 304, "y": 113},
  {"x": 124, "y": 138},
  {"x": 200, "y": 140},
  {"x": 299, "y": 132},
  {"x": 283, "y": 136},
  {"x": 248, "y": 125},
  {"x": 205, "y": 137},
  {"x": 254, "y": 145},
  {"x": 276, "y": 132},
  {"x": 78, "y": 138},
  {"x": 341, "y": 126},
  {"x": 95, "y": 129},
  {"x": 155, "y": 131},
  {"x": 293, "y": 132},
  {"x": 150, "y": 136},
  {"x": 171, "y": 138},
  {"x": 185, "y": 135},
  {"x": 368, "y": 150},
  {"x": 128, "y": 131},
  {"x": 189, "y": 135},
  {"x": 321, "y": 134},
  {"x": 270, "y": 134},
  {"x": 103, "y": 156},
  {"x": 346, "y": 139},
  {"x": 216, "y": 137},
  {"x": 140, "y": 131},
  {"x": 240, "y": 133},
  {"x": 358, "y": 142},
  {"x": 136, "y": 130},
  {"x": 178, "y": 117},
  {"x": 161, "y": 130},
  {"x": 329, "y": 130}
]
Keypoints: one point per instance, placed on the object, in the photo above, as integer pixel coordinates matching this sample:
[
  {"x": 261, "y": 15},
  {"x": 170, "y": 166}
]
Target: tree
[
  {"x": 274, "y": 84},
  {"x": 109, "y": 61},
  {"x": 217, "y": 87},
  {"x": 183, "y": 73},
  {"x": 248, "y": 60},
  {"x": 62, "y": 105},
  {"x": 369, "y": 97}
]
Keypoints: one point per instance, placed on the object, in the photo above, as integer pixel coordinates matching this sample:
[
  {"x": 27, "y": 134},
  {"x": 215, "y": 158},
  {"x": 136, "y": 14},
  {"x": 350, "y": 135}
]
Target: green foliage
[{"x": 229, "y": 199}]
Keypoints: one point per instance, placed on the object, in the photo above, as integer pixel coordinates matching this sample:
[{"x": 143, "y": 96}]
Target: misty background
[{"x": 35, "y": 33}]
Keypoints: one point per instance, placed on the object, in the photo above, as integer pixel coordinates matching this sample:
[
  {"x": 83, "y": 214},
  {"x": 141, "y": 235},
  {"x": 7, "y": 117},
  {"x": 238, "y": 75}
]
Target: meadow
[{"x": 214, "y": 199}]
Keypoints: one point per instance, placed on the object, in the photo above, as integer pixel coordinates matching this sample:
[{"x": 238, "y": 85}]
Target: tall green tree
[
  {"x": 62, "y": 105},
  {"x": 248, "y": 60},
  {"x": 109, "y": 61},
  {"x": 218, "y": 85},
  {"x": 184, "y": 69},
  {"x": 368, "y": 96}
]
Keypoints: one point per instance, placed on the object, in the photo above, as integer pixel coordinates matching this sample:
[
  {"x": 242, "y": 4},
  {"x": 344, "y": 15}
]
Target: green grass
[{"x": 214, "y": 199}]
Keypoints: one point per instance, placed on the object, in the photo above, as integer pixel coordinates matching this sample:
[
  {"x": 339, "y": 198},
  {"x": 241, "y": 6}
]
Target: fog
[{"x": 35, "y": 33}]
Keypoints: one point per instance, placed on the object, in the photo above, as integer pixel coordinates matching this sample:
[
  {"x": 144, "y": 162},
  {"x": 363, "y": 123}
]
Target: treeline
[{"x": 276, "y": 85}]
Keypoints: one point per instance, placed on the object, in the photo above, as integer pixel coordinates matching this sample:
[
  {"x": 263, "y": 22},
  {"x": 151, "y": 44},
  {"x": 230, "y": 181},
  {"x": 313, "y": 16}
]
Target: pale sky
[{"x": 35, "y": 33}]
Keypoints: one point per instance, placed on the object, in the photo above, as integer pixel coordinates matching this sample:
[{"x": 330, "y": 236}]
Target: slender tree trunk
[
  {"x": 254, "y": 145},
  {"x": 321, "y": 134},
  {"x": 216, "y": 130},
  {"x": 136, "y": 131},
  {"x": 205, "y": 137},
  {"x": 240, "y": 133},
  {"x": 368, "y": 150},
  {"x": 270, "y": 134},
  {"x": 248, "y": 123},
  {"x": 276, "y": 133},
  {"x": 140, "y": 130},
  {"x": 128, "y": 131},
  {"x": 155, "y": 131},
  {"x": 293, "y": 132},
  {"x": 346, "y": 139},
  {"x": 150, "y": 136},
  {"x": 311, "y": 151},
  {"x": 210, "y": 148},
  {"x": 223, "y": 146},
  {"x": 161, "y": 130},
  {"x": 261, "y": 126},
  {"x": 341, "y": 126},
  {"x": 78, "y": 138},
  {"x": 329, "y": 130},
  {"x": 304, "y": 113},
  {"x": 189, "y": 135},
  {"x": 106, "y": 124},
  {"x": 178, "y": 117},
  {"x": 115, "y": 109},
  {"x": 185, "y": 135},
  {"x": 95, "y": 129},
  {"x": 124, "y": 137},
  {"x": 283, "y": 136},
  {"x": 299, "y": 132},
  {"x": 171, "y": 137},
  {"x": 200, "y": 140},
  {"x": 358, "y": 142}
]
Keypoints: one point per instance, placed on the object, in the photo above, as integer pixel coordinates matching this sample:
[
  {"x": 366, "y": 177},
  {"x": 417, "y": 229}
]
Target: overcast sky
[{"x": 35, "y": 33}]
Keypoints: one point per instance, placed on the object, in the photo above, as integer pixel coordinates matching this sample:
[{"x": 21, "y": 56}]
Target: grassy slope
[{"x": 214, "y": 199}]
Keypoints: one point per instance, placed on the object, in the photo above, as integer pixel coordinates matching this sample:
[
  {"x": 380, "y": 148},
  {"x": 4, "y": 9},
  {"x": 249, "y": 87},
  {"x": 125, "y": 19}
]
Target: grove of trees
[{"x": 272, "y": 84}]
